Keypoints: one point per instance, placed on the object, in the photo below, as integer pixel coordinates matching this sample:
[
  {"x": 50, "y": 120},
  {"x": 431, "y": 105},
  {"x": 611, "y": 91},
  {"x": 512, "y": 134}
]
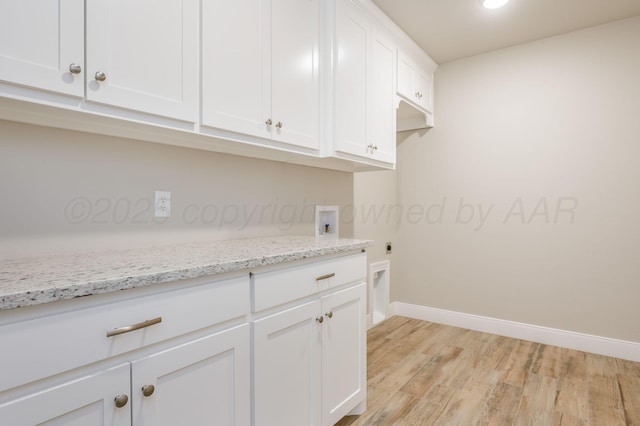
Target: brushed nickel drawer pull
[
  {"x": 324, "y": 277},
  {"x": 134, "y": 327}
]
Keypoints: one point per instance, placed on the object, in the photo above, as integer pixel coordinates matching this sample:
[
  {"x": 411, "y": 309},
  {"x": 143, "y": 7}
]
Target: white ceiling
[{"x": 453, "y": 29}]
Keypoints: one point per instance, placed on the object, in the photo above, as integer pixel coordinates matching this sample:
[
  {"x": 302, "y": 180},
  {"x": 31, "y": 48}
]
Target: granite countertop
[{"x": 37, "y": 280}]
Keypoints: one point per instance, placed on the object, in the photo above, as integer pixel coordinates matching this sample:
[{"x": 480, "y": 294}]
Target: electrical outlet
[{"x": 163, "y": 204}]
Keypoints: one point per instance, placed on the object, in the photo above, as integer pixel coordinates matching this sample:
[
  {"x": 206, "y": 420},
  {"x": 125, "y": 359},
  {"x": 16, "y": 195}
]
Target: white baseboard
[{"x": 534, "y": 333}]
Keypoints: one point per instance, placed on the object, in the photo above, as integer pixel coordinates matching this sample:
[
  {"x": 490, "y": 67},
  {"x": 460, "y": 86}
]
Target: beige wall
[
  {"x": 68, "y": 191},
  {"x": 543, "y": 141},
  {"x": 375, "y": 211}
]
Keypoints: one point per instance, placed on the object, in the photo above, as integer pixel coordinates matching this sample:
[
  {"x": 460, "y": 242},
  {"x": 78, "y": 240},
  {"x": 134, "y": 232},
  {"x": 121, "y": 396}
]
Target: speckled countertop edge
[{"x": 38, "y": 280}]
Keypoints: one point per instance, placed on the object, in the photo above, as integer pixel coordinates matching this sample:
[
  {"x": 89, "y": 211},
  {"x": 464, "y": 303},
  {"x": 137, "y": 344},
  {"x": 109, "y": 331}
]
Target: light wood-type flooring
[{"x": 422, "y": 373}]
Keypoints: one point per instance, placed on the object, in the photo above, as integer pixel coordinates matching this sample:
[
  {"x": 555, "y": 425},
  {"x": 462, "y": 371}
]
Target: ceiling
[{"x": 454, "y": 29}]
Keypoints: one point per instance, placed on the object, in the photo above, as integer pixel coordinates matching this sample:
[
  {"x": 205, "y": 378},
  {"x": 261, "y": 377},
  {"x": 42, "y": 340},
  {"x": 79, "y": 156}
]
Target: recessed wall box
[{"x": 326, "y": 221}]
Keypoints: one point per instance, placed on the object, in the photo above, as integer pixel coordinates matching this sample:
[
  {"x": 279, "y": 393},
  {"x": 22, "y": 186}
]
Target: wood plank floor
[{"x": 421, "y": 373}]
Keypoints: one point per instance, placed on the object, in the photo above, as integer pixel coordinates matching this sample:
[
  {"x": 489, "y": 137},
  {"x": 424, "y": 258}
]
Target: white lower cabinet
[
  {"x": 344, "y": 351},
  {"x": 171, "y": 357},
  {"x": 310, "y": 359},
  {"x": 84, "y": 401},
  {"x": 184, "y": 356},
  {"x": 205, "y": 381},
  {"x": 287, "y": 367}
]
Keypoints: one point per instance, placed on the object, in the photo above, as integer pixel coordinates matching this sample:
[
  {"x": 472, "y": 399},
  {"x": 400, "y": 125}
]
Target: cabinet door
[
  {"x": 344, "y": 351},
  {"x": 424, "y": 89},
  {"x": 87, "y": 401},
  {"x": 295, "y": 72},
  {"x": 148, "y": 52},
  {"x": 39, "y": 40},
  {"x": 295, "y": 79},
  {"x": 287, "y": 367},
  {"x": 414, "y": 84},
  {"x": 351, "y": 115},
  {"x": 405, "y": 78},
  {"x": 382, "y": 99},
  {"x": 205, "y": 381},
  {"x": 236, "y": 77}
]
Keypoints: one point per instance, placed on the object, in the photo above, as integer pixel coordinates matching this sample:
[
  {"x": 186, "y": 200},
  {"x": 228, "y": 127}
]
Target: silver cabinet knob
[
  {"x": 279, "y": 124},
  {"x": 329, "y": 314},
  {"x": 268, "y": 122},
  {"x": 121, "y": 400},
  {"x": 320, "y": 319},
  {"x": 100, "y": 76},
  {"x": 147, "y": 390},
  {"x": 75, "y": 68}
]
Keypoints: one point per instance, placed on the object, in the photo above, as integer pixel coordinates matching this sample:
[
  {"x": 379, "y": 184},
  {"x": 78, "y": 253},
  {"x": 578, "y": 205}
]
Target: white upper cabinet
[
  {"x": 364, "y": 88},
  {"x": 143, "y": 55},
  {"x": 234, "y": 80},
  {"x": 295, "y": 102},
  {"x": 382, "y": 100},
  {"x": 42, "y": 44},
  {"x": 260, "y": 69},
  {"x": 352, "y": 46},
  {"x": 312, "y": 82},
  {"x": 414, "y": 83}
]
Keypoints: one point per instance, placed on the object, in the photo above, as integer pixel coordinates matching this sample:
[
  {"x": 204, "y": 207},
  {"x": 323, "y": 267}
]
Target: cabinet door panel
[
  {"x": 405, "y": 78},
  {"x": 383, "y": 122},
  {"x": 423, "y": 86},
  {"x": 351, "y": 88},
  {"x": 295, "y": 80},
  {"x": 39, "y": 39},
  {"x": 287, "y": 367},
  {"x": 87, "y": 401},
  {"x": 343, "y": 353},
  {"x": 205, "y": 381},
  {"x": 236, "y": 77},
  {"x": 148, "y": 50}
]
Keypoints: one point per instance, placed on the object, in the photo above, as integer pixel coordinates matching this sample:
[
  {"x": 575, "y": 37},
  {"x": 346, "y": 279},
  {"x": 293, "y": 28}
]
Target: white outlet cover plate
[{"x": 163, "y": 204}]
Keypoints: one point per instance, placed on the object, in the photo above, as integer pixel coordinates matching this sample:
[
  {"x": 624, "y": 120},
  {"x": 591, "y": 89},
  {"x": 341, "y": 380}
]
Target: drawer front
[
  {"x": 38, "y": 348},
  {"x": 277, "y": 287}
]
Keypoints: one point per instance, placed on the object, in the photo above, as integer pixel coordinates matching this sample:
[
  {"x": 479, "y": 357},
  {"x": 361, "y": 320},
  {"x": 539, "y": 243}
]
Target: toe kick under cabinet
[{"x": 184, "y": 353}]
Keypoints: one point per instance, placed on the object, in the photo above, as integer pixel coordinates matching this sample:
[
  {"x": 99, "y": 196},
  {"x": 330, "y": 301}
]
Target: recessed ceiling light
[{"x": 494, "y": 4}]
